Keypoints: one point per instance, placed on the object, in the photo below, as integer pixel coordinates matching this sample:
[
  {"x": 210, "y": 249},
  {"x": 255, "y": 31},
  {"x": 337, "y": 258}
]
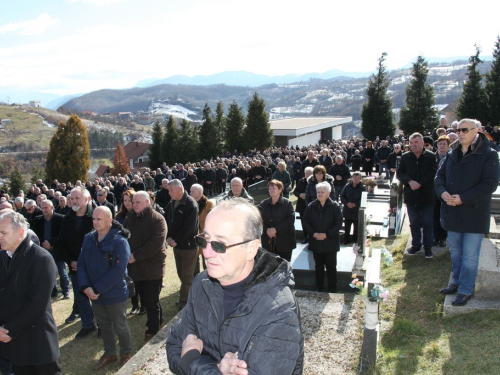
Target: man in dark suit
[
  {"x": 32, "y": 211},
  {"x": 28, "y": 332},
  {"x": 102, "y": 201},
  {"x": 47, "y": 229}
]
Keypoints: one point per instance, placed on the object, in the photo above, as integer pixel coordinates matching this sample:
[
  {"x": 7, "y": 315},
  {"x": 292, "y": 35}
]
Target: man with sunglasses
[
  {"x": 241, "y": 316},
  {"x": 465, "y": 183}
]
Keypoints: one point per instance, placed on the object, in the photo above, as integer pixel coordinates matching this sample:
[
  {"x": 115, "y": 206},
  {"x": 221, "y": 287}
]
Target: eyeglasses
[
  {"x": 464, "y": 130},
  {"x": 218, "y": 247},
  {"x": 100, "y": 195}
]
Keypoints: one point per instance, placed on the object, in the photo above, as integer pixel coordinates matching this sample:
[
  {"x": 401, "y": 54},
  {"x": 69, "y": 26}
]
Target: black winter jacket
[
  {"x": 474, "y": 178},
  {"x": 280, "y": 216},
  {"x": 183, "y": 222},
  {"x": 311, "y": 188},
  {"x": 323, "y": 219},
  {"x": 264, "y": 328},
  {"x": 340, "y": 170},
  {"x": 351, "y": 194},
  {"x": 423, "y": 170}
]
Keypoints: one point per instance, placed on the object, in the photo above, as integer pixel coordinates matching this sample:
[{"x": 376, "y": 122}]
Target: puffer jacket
[
  {"x": 102, "y": 266},
  {"x": 351, "y": 194},
  {"x": 264, "y": 328},
  {"x": 474, "y": 178},
  {"x": 323, "y": 219}
]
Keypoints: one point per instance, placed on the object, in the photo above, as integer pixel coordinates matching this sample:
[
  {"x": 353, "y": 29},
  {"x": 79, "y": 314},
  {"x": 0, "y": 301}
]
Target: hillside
[{"x": 340, "y": 96}]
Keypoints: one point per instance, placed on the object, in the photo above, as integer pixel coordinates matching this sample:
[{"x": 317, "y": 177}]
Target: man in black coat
[
  {"x": 416, "y": 171},
  {"x": 190, "y": 180},
  {"x": 32, "y": 211},
  {"x": 120, "y": 187},
  {"x": 383, "y": 154},
  {"x": 47, "y": 228},
  {"x": 162, "y": 195},
  {"x": 209, "y": 180},
  {"x": 101, "y": 196},
  {"x": 74, "y": 227},
  {"x": 28, "y": 332},
  {"x": 221, "y": 177},
  {"x": 341, "y": 174}
]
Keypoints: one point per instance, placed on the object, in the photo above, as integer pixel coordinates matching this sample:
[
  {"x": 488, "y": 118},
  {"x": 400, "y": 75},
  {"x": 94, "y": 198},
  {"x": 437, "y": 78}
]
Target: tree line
[{"x": 480, "y": 98}]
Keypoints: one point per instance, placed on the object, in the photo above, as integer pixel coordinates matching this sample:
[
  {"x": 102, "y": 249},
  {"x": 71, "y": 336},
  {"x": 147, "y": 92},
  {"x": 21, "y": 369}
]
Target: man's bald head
[
  {"x": 102, "y": 220},
  {"x": 5, "y": 204}
]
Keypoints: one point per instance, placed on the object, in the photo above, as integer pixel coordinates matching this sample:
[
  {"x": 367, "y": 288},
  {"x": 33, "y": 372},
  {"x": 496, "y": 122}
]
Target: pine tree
[
  {"x": 17, "y": 182},
  {"x": 258, "y": 133},
  {"x": 220, "y": 128},
  {"x": 235, "y": 123},
  {"x": 188, "y": 143},
  {"x": 208, "y": 135},
  {"x": 68, "y": 158},
  {"x": 493, "y": 86},
  {"x": 473, "y": 102},
  {"x": 154, "y": 152},
  {"x": 418, "y": 115},
  {"x": 377, "y": 116},
  {"x": 120, "y": 162},
  {"x": 37, "y": 173},
  {"x": 169, "y": 145}
]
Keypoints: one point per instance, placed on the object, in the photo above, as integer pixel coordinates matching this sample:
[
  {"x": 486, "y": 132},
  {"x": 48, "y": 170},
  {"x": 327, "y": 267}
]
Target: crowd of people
[{"x": 99, "y": 231}]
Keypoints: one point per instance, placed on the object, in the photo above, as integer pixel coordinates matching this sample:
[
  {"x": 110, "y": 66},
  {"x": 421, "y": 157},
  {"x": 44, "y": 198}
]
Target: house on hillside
[
  {"x": 4, "y": 122},
  {"x": 35, "y": 103},
  {"x": 103, "y": 170},
  {"x": 137, "y": 155}
]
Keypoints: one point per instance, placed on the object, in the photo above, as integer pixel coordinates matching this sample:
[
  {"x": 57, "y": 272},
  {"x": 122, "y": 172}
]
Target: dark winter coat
[
  {"x": 299, "y": 189},
  {"x": 209, "y": 175},
  {"x": 351, "y": 194},
  {"x": 148, "y": 232},
  {"x": 189, "y": 181},
  {"x": 183, "y": 222},
  {"x": 243, "y": 195},
  {"x": 383, "y": 153},
  {"x": 323, "y": 219},
  {"x": 39, "y": 229},
  {"x": 474, "y": 178},
  {"x": 340, "y": 170},
  {"x": 368, "y": 153},
  {"x": 104, "y": 272},
  {"x": 326, "y": 162},
  {"x": 393, "y": 157},
  {"x": 280, "y": 216},
  {"x": 26, "y": 306},
  {"x": 356, "y": 162},
  {"x": 264, "y": 328},
  {"x": 423, "y": 170},
  {"x": 162, "y": 198},
  {"x": 311, "y": 188}
]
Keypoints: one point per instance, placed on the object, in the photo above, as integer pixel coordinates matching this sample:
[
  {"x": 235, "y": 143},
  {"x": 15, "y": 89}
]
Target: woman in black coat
[
  {"x": 319, "y": 175},
  {"x": 323, "y": 220},
  {"x": 368, "y": 158},
  {"x": 278, "y": 217},
  {"x": 351, "y": 200}
]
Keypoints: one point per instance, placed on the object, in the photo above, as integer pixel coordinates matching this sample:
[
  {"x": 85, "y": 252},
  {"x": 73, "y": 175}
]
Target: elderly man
[
  {"x": 28, "y": 332},
  {"x": 209, "y": 179},
  {"x": 238, "y": 191},
  {"x": 242, "y": 316},
  {"x": 102, "y": 266},
  {"x": 189, "y": 180},
  {"x": 162, "y": 195},
  {"x": 120, "y": 187},
  {"x": 416, "y": 171},
  {"x": 392, "y": 160},
  {"x": 205, "y": 205},
  {"x": 19, "y": 205},
  {"x": 182, "y": 220},
  {"x": 47, "y": 228},
  {"x": 32, "y": 211},
  {"x": 465, "y": 182},
  {"x": 383, "y": 154},
  {"x": 101, "y": 195},
  {"x": 341, "y": 174},
  {"x": 148, "y": 231},
  {"x": 74, "y": 227},
  {"x": 63, "y": 207}
]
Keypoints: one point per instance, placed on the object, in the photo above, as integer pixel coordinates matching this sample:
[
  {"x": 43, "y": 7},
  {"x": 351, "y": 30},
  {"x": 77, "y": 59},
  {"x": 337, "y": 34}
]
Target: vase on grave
[{"x": 371, "y": 314}]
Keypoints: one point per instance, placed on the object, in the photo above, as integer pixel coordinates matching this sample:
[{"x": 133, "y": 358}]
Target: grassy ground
[
  {"x": 79, "y": 355},
  {"x": 415, "y": 337}
]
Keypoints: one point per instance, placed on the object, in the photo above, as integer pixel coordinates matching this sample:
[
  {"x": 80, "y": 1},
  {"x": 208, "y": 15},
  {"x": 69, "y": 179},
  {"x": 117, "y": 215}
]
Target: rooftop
[{"x": 302, "y": 125}]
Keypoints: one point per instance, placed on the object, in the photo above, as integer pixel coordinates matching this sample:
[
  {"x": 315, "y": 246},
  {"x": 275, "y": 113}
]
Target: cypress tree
[
  {"x": 17, "y": 182},
  {"x": 120, "y": 162},
  {"x": 169, "y": 145},
  {"x": 188, "y": 143},
  {"x": 493, "y": 86},
  {"x": 235, "y": 123},
  {"x": 258, "y": 133},
  {"x": 208, "y": 135},
  {"x": 154, "y": 152},
  {"x": 418, "y": 114},
  {"x": 68, "y": 158},
  {"x": 220, "y": 128},
  {"x": 473, "y": 101},
  {"x": 376, "y": 114}
]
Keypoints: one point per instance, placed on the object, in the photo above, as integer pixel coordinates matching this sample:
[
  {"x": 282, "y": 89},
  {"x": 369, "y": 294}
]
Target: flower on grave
[
  {"x": 386, "y": 256},
  {"x": 378, "y": 294},
  {"x": 367, "y": 242},
  {"x": 356, "y": 248}
]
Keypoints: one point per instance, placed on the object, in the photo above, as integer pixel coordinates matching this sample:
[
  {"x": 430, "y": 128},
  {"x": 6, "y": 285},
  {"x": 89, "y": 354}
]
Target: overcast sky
[{"x": 75, "y": 46}]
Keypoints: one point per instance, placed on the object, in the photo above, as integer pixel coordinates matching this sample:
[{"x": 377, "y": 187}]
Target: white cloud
[
  {"x": 97, "y": 2},
  {"x": 31, "y": 27}
]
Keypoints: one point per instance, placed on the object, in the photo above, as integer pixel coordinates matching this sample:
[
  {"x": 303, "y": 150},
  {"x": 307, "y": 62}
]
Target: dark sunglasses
[
  {"x": 100, "y": 195},
  {"x": 218, "y": 247},
  {"x": 464, "y": 130}
]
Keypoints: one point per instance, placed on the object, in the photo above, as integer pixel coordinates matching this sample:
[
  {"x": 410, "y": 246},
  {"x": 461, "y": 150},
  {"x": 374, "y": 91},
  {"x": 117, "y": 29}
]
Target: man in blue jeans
[
  {"x": 465, "y": 183},
  {"x": 416, "y": 171}
]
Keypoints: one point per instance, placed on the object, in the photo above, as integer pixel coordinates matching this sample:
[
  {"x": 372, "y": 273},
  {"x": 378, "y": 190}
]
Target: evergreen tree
[
  {"x": 17, "y": 182},
  {"x": 37, "y": 173},
  {"x": 376, "y": 114},
  {"x": 170, "y": 143},
  {"x": 473, "y": 101},
  {"x": 418, "y": 115},
  {"x": 235, "y": 123},
  {"x": 493, "y": 86},
  {"x": 188, "y": 143},
  {"x": 120, "y": 162},
  {"x": 154, "y": 152},
  {"x": 258, "y": 133},
  {"x": 220, "y": 128},
  {"x": 208, "y": 135},
  {"x": 68, "y": 158}
]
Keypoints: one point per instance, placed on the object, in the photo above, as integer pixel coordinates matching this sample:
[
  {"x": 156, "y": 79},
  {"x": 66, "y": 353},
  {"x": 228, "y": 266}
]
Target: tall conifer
[
  {"x": 493, "y": 86},
  {"x": 258, "y": 133},
  {"x": 235, "y": 123},
  {"x": 154, "y": 152},
  {"x": 120, "y": 162}
]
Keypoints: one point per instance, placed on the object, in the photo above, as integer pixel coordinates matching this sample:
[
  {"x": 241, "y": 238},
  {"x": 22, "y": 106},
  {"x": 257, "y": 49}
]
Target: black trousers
[
  {"x": 439, "y": 233},
  {"x": 347, "y": 236},
  {"x": 48, "y": 369},
  {"x": 149, "y": 291},
  {"x": 328, "y": 261}
]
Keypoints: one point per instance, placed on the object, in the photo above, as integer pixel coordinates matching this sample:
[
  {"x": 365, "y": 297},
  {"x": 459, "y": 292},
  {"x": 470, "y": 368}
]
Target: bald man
[{"x": 101, "y": 269}]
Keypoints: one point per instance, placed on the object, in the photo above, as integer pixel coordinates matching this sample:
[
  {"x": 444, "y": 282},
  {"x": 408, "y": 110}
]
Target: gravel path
[{"x": 333, "y": 333}]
